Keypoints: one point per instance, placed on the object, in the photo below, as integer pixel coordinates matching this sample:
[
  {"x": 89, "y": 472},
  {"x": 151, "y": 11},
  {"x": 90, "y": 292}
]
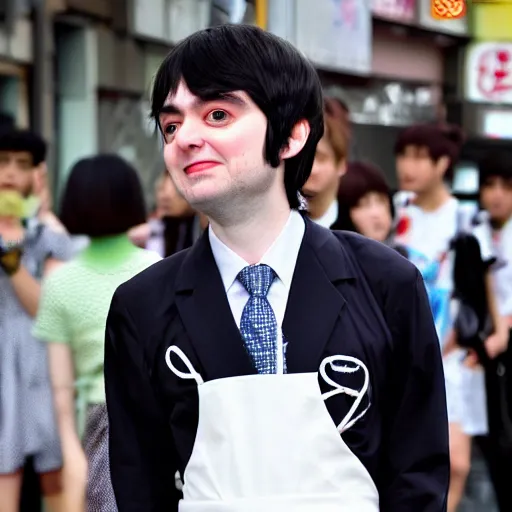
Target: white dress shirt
[
  {"x": 330, "y": 216},
  {"x": 281, "y": 257}
]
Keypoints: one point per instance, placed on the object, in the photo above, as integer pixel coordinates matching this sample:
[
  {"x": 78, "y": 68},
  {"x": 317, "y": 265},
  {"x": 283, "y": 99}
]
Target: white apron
[{"x": 266, "y": 443}]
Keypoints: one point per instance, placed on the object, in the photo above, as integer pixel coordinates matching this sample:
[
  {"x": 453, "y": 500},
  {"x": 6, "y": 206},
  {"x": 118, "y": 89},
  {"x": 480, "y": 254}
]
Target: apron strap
[
  {"x": 353, "y": 366},
  {"x": 186, "y": 361}
]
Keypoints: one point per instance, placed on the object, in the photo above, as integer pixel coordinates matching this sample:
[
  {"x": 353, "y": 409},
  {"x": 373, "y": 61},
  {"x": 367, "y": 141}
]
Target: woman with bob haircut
[
  {"x": 103, "y": 200},
  {"x": 364, "y": 200}
]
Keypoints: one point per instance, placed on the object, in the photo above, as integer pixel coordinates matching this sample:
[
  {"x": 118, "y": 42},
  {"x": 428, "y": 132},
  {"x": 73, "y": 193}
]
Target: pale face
[
  {"x": 214, "y": 150},
  {"x": 417, "y": 172},
  {"x": 496, "y": 198},
  {"x": 372, "y": 216}
]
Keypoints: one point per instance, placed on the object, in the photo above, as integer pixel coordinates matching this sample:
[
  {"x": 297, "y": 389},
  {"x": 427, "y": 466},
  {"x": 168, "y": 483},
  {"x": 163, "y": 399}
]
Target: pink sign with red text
[
  {"x": 488, "y": 73},
  {"x": 397, "y": 10}
]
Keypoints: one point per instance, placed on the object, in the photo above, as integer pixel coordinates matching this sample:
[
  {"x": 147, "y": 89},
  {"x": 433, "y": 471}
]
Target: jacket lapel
[
  {"x": 204, "y": 309},
  {"x": 314, "y": 303}
]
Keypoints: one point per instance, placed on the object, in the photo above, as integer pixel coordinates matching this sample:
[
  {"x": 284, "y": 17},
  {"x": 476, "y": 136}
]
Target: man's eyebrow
[{"x": 228, "y": 97}]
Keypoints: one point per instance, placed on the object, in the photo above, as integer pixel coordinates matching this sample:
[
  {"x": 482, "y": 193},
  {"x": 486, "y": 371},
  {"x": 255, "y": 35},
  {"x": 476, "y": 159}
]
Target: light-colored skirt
[{"x": 465, "y": 394}]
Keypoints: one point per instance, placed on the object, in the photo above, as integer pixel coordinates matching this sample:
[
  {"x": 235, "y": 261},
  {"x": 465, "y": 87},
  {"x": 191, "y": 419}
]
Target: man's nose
[{"x": 189, "y": 135}]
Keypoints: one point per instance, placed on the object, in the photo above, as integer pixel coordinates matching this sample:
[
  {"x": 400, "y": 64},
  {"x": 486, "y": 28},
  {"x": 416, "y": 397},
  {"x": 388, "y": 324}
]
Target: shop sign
[{"x": 488, "y": 73}]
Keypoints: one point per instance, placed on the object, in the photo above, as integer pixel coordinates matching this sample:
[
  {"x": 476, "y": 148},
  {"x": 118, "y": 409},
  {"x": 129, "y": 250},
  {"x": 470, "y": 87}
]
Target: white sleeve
[{"x": 483, "y": 234}]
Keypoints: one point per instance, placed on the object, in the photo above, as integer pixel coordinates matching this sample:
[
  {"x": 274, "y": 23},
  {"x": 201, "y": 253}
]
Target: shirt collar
[
  {"x": 330, "y": 216},
  {"x": 281, "y": 255}
]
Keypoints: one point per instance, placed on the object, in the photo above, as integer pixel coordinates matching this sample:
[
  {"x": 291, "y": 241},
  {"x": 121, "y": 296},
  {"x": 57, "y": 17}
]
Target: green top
[{"x": 75, "y": 300}]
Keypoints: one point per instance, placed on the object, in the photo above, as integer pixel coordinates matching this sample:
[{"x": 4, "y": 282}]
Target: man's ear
[
  {"x": 342, "y": 168},
  {"x": 297, "y": 140},
  {"x": 442, "y": 165}
]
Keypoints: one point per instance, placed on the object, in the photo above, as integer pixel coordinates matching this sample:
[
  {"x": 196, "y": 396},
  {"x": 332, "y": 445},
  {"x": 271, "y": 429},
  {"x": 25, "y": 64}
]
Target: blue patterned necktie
[{"x": 258, "y": 325}]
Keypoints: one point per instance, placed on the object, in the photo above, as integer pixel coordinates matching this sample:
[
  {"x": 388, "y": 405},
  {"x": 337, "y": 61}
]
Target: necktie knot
[{"x": 257, "y": 279}]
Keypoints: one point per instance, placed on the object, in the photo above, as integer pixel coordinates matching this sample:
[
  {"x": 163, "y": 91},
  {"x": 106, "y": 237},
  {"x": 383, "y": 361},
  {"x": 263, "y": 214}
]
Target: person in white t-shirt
[{"x": 426, "y": 223}]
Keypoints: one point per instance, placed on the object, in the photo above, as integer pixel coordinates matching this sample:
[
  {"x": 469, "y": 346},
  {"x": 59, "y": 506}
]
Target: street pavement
[{"x": 479, "y": 495}]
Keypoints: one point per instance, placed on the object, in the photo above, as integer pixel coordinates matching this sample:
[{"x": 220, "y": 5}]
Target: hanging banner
[
  {"x": 335, "y": 34},
  {"x": 403, "y": 11}
]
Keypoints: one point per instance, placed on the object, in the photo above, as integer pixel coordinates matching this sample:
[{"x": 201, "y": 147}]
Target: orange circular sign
[{"x": 448, "y": 9}]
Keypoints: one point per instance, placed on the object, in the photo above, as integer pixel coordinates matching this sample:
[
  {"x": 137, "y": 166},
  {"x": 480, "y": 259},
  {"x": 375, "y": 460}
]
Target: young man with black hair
[{"x": 277, "y": 365}]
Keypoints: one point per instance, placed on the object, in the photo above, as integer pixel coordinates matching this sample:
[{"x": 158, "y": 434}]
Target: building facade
[{"x": 84, "y": 81}]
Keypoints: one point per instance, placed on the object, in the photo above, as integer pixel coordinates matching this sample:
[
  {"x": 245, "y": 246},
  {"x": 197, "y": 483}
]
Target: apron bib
[{"x": 267, "y": 443}]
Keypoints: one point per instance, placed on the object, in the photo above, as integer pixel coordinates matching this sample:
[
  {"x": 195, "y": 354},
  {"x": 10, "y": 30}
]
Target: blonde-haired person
[{"x": 321, "y": 189}]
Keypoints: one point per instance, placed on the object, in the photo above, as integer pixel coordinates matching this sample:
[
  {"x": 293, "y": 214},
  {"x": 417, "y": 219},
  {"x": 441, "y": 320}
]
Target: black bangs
[
  {"x": 360, "y": 179},
  {"x": 24, "y": 140},
  {"x": 103, "y": 197},
  {"x": 495, "y": 164},
  {"x": 278, "y": 79},
  {"x": 228, "y": 58},
  {"x": 439, "y": 140}
]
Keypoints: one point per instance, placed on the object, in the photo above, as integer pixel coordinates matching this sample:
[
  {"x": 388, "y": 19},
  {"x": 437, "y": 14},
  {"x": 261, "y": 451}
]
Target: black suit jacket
[{"x": 349, "y": 296}]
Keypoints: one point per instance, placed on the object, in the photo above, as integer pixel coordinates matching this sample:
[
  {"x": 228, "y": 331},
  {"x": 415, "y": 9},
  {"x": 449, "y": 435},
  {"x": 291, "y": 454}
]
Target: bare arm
[
  {"x": 63, "y": 376},
  {"x": 75, "y": 464}
]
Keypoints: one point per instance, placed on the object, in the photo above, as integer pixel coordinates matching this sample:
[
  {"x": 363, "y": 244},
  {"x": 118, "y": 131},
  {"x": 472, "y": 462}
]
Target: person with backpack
[
  {"x": 431, "y": 223},
  {"x": 495, "y": 177}
]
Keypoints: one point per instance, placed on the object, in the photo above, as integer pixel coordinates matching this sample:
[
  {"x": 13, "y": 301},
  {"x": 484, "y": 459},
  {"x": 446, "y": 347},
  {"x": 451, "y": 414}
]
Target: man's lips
[{"x": 200, "y": 166}]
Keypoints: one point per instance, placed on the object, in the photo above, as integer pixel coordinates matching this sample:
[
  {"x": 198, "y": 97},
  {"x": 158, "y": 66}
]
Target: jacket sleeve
[
  {"x": 416, "y": 467},
  {"x": 143, "y": 460}
]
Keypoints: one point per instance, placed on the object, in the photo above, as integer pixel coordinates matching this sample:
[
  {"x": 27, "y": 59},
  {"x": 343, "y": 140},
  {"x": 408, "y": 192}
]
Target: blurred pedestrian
[
  {"x": 330, "y": 164},
  {"x": 365, "y": 203},
  {"x": 103, "y": 199},
  {"x": 495, "y": 176},
  {"x": 173, "y": 226},
  {"x": 29, "y": 250},
  {"x": 343, "y": 196}
]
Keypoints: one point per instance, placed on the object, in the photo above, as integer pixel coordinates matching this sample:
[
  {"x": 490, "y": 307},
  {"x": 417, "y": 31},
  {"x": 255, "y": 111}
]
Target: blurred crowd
[{"x": 60, "y": 265}]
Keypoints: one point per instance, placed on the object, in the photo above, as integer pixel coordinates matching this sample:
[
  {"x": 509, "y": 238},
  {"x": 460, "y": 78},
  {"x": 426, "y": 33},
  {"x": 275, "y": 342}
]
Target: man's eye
[
  {"x": 170, "y": 129},
  {"x": 217, "y": 116}
]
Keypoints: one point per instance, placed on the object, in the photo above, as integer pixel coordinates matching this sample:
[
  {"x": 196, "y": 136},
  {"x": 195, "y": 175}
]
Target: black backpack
[
  {"x": 473, "y": 322},
  {"x": 473, "y": 325}
]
